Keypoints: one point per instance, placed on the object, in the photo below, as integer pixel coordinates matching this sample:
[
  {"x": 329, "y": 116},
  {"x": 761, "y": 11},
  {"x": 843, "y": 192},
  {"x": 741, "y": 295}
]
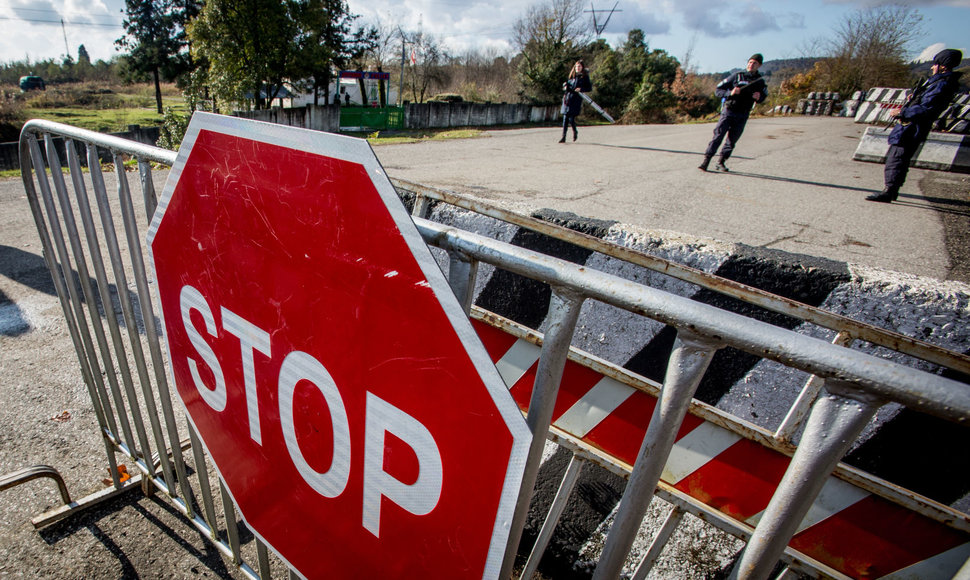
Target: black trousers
[
  {"x": 897, "y": 165},
  {"x": 568, "y": 120},
  {"x": 730, "y": 125}
]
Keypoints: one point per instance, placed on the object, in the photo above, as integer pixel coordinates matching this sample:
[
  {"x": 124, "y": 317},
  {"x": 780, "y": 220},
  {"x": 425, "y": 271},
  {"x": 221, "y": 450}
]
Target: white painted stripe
[
  {"x": 517, "y": 361},
  {"x": 945, "y": 565},
  {"x": 594, "y": 406},
  {"x": 695, "y": 449},
  {"x": 836, "y": 495}
]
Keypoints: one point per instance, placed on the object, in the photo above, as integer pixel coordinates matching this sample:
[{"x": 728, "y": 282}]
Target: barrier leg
[
  {"x": 836, "y": 420},
  {"x": 563, "y": 312},
  {"x": 689, "y": 360}
]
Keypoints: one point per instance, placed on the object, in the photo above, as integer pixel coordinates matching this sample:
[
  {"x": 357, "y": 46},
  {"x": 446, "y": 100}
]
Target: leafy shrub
[{"x": 172, "y": 129}]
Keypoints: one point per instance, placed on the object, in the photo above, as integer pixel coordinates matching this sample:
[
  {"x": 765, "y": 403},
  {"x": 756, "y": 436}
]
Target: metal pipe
[
  {"x": 921, "y": 391},
  {"x": 859, "y": 330},
  {"x": 461, "y": 276},
  {"x": 688, "y": 362},
  {"x": 566, "y": 486},
  {"x": 31, "y": 473},
  {"x": 837, "y": 418},
  {"x": 659, "y": 543},
  {"x": 803, "y": 404},
  {"x": 564, "y": 310}
]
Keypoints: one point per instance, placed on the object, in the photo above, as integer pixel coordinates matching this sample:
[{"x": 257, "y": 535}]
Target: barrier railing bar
[
  {"x": 64, "y": 271},
  {"x": 563, "y": 494},
  {"x": 922, "y": 391},
  {"x": 128, "y": 314},
  {"x": 121, "y": 286},
  {"x": 658, "y": 544},
  {"x": 29, "y": 159},
  {"x": 208, "y": 505},
  {"x": 461, "y": 277},
  {"x": 803, "y": 404},
  {"x": 84, "y": 281},
  {"x": 690, "y": 505},
  {"x": 33, "y": 472},
  {"x": 148, "y": 318},
  {"x": 564, "y": 307},
  {"x": 837, "y": 419},
  {"x": 232, "y": 532},
  {"x": 147, "y": 187},
  {"x": 779, "y": 304},
  {"x": 689, "y": 360},
  {"x": 104, "y": 288},
  {"x": 109, "y": 142},
  {"x": 64, "y": 511},
  {"x": 855, "y": 476},
  {"x": 262, "y": 560}
]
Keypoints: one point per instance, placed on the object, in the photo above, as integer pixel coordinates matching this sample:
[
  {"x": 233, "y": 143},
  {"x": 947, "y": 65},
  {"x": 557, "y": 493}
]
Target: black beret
[{"x": 950, "y": 58}]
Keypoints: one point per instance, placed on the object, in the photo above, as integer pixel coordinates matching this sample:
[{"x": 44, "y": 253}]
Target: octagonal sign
[{"x": 328, "y": 368}]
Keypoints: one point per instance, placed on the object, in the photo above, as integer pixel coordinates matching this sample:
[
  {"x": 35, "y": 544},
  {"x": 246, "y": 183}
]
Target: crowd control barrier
[{"x": 794, "y": 505}]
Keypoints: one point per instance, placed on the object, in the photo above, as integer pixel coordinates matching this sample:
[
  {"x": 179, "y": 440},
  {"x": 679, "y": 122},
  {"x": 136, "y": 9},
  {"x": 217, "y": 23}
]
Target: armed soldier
[
  {"x": 740, "y": 93},
  {"x": 928, "y": 100}
]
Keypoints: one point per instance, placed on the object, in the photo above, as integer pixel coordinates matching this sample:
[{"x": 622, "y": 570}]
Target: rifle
[{"x": 596, "y": 107}]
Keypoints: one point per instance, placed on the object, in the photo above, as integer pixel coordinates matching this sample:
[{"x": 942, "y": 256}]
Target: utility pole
[
  {"x": 596, "y": 26},
  {"x": 67, "y": 49},
  {"x": 400, "y": 96}
]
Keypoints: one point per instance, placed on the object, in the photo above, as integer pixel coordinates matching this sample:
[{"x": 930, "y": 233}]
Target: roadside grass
[
  {"x": 102, "y": 108},
  {"x": 400, "y": 137}
]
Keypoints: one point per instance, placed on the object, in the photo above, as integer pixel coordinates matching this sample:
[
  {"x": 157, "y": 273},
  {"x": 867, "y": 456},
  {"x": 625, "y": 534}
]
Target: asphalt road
[{"x": 793, "y": 187}]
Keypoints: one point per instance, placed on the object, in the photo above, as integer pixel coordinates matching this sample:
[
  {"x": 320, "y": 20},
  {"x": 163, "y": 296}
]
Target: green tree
[
  {"x": 653, "y": 94},
  {"x": 250, "y": 46},
  {"x": 327, "y": 41},
  {"x": 550, "y": 38},
  {"x": 153, "y": 39}
]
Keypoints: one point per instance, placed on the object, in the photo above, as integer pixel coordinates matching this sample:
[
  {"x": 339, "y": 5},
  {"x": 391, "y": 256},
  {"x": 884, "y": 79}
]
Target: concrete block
[{"x": 941, "y": 151}]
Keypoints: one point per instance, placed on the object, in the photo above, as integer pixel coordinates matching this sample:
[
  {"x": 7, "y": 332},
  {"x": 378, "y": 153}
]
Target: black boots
[
  {"x": 707, "y": 161},
  {"x": 563, "y": 140},
  {"x": 575, "y": 135},
  {"x": 885, "y": 196}
]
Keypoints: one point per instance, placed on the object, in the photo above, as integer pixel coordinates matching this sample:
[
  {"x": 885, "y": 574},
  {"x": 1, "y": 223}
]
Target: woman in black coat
[{"x": 572, "y": 103}]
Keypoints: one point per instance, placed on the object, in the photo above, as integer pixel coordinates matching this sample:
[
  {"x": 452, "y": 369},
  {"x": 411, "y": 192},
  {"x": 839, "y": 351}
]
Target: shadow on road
[
  {"x": 641, "y": 148},
  {"x": 799, "y": 181}
]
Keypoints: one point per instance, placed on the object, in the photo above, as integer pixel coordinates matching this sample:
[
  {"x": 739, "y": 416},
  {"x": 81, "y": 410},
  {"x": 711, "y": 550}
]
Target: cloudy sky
[{"x": 718, "y": 34}]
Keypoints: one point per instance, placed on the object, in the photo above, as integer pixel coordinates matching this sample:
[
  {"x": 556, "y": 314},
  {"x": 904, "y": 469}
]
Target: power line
[
  {"x": 599, "y": 29},
  {"x": 59, "y": 21}
]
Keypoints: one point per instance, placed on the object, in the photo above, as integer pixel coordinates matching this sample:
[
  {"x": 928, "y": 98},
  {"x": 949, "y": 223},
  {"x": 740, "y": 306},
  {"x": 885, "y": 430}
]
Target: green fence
[{"x": 371, "y": 118}]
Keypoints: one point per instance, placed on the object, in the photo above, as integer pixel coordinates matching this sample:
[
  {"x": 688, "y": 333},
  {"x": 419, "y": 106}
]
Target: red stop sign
[{"x": 341, "y": 392}]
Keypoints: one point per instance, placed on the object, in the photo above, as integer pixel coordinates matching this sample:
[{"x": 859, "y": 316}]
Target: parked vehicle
[{"x": 30, "y": 82}]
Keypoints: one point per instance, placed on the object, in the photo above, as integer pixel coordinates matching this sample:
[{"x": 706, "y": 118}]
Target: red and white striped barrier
[{"x": 850, "y": 529}]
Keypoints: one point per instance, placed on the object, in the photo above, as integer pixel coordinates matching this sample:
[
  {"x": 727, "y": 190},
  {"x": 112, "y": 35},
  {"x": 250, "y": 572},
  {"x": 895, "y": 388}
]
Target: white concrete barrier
[{"x": 941, "y": 151}]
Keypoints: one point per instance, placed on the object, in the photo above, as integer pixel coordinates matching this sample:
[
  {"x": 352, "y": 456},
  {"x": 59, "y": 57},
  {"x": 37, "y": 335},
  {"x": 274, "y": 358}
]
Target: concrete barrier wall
[
  {"x": 899, "y": 445},
  {"x": 316, "y": 117},
  {"x": 444, "y": 115},
  {"x": 10, "y": 152},
  {"x": 941, "y": 151}
]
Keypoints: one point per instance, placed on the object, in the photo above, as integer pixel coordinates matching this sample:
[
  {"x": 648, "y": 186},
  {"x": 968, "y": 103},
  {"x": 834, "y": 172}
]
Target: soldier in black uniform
[
  {"x": 740, "y": 93},
  {"x": 930, "y": 98}
]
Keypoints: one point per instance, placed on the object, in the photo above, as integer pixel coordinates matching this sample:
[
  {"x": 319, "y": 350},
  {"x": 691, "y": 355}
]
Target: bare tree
[
  {"x": 870, "y": 48},
  {"x": 549, "y": 37},
  {"x": 426, "y": 69}
]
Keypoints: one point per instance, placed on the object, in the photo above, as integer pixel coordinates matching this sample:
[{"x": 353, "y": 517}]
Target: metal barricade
[{"x": 94, "y": 247}]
